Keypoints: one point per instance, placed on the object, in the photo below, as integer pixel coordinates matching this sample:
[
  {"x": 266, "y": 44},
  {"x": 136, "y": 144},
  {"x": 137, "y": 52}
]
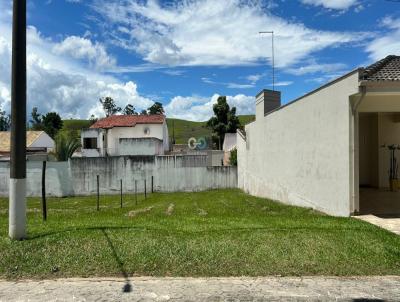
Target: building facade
[
  {"x": 126, "y": 135},
  {"x": 328, "y": 149},
  {"x": 38, "y": 145}
]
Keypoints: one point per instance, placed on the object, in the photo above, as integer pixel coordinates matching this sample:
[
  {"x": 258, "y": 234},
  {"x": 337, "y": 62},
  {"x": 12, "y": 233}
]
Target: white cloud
[
  {"x": 197, "y": 108},
  {"x": 230, "y": 85},
  {"x": 239, "y": 86},
  {"x": 283, "y": 83},
  {"x": 59, "y": 82},
  {"x": 333, "y": 4},
  {"x": 82, "y": 48},
  {"x": 388, "y": 43},
  {"x": 314, "y": 67},
  {"x": 207, "y": 32},
  {"x": 174, "y": 72},
  {"x": 254, "y": 78}
]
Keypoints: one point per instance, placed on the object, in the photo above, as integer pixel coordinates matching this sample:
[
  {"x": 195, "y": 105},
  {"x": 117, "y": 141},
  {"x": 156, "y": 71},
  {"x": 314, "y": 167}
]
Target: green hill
[
  {"x": 187, "y": 129},
  {"x": 75, "y": 124},
  {"x": 246, "y": 119},
  {"x": 183, "y": 129}
]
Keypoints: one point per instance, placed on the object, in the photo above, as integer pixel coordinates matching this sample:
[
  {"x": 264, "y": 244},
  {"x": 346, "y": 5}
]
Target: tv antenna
[{"x": 273, "y": 56}]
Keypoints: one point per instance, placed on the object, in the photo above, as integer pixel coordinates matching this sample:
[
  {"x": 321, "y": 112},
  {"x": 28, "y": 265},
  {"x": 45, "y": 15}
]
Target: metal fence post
[
  {"x": 136, "y": 192},
  {"x": 121, "y": 192},
  {"x": 145, "y": 191},
  {"x": 44, "y": 206},
  {"x": 98, "y": 193},
  {"x": 152, "y": 184}
]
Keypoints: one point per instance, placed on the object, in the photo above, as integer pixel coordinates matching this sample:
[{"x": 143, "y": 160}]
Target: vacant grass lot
[{"x": 214, "y": 233}]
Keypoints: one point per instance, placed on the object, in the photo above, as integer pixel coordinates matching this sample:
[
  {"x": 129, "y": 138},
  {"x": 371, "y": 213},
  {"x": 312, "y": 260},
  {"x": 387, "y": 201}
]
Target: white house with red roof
[{"x": 118, "y": 135}]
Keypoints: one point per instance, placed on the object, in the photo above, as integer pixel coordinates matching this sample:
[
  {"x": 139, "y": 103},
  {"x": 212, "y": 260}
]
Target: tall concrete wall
[
  {"x": 78, "y": 176},
  {"x": 300, "y": 154}
]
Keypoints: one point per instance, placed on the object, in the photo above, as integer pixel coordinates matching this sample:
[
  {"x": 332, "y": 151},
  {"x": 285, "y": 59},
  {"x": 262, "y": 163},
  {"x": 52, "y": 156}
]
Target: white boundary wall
[
  {"x": 301, "y": 154},
  {"x": 78, "y": 176}
]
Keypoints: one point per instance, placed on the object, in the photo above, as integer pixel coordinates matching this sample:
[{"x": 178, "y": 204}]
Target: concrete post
[{"x": 17, "y": 204}]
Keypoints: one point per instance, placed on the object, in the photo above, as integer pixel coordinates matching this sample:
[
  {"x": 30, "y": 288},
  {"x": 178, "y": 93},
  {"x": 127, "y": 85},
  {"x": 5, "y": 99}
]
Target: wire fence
[{"x": 147, "y": 184}]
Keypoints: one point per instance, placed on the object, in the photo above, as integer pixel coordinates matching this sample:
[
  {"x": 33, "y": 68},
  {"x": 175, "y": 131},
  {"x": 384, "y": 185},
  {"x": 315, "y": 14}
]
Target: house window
[{"x": 90, "y": 143}]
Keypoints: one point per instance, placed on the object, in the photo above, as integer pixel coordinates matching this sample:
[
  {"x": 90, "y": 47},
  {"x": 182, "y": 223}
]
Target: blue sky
[{"x": 186, "y": 53}]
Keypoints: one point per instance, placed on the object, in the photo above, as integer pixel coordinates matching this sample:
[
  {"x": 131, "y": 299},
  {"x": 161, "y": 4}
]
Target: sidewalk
[
  {"x": 388, "y": 223},
  {"x": 205, "y": 289}
]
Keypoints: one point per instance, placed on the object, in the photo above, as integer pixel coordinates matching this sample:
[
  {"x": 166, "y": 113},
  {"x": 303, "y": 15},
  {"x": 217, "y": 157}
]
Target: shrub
[{"x": 233, "y": 158}]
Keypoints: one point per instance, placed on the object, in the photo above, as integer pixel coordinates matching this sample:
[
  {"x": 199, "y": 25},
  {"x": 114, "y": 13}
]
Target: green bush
[{"x": 233, "y": 158}]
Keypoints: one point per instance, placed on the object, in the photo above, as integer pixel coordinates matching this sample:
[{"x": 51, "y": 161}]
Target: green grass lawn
[{"x": 214, "y": 233}]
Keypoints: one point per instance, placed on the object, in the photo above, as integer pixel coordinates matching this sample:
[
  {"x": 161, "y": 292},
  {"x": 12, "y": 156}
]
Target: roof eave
[{"x": 380, "y": 84}]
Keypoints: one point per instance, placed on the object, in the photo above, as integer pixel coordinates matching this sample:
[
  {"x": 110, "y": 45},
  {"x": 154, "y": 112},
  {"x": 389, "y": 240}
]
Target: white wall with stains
[{"x": 78, "y": 176}]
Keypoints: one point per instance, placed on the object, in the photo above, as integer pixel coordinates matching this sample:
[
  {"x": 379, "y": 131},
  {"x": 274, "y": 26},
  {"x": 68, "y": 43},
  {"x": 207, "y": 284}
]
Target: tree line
[
  {"x": 111, "y": 108},
  {"x": 51, "y": 122}
]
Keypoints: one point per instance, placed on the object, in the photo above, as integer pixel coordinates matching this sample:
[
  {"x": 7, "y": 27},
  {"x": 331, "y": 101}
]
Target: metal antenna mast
[{"x": 273, "y": 56}]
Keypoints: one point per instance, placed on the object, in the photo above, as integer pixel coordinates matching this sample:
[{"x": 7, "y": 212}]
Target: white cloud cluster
[
  {"x": 332, "y": 4},
  {"x": 197, "y": 108},
  {"x": 388, "y": 43},
  {"x": 82, "y": 48},
  {"x": 208, "y": 32},
  {"x": 59, "y": 83},
  {"x": 314, "y": 67}
]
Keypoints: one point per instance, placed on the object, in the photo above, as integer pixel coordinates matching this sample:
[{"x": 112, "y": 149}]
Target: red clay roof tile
[{"x": 128, "y": 121}]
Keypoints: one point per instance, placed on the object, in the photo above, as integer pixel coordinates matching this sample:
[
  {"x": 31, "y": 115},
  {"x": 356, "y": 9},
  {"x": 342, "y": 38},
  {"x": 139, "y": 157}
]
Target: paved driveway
[
  {"x": 205, "y": 289},
  {"x": 391, "y": 224}
]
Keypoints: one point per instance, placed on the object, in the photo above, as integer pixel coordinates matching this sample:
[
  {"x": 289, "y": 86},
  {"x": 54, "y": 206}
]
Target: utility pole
[
  {"x": 273, "y": 56},
  {"x": 17, "y": 205}
]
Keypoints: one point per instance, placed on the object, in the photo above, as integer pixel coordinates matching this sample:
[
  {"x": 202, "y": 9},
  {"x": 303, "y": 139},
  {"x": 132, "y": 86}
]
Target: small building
[
  {"x": 228, "y": 146},
  {"x": 126, "y": 135},
  {"x": 38, "y": 144},
  {"x": 329, "y": 149}
]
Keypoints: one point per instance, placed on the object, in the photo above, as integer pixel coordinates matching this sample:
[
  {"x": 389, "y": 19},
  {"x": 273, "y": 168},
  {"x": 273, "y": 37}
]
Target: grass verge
[{"x": 214, "y": 233}]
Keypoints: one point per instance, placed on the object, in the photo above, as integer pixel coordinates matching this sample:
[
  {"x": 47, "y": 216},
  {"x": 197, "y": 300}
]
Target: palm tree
[{"x": 65, "y": 147}]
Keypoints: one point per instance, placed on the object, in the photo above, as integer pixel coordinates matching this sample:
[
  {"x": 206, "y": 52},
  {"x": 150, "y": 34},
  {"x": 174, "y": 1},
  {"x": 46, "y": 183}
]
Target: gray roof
[{"x": 387, "y": 69}]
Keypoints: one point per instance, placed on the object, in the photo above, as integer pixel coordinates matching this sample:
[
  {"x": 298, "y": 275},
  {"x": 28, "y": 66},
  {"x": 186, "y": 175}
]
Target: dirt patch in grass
[
  {"x": 170, "y": 209},
  {"x": 200, "y": 211},
  {"x": 140, "y": 211}
]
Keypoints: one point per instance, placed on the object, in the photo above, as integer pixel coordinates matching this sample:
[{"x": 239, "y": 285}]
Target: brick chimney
[{"x": 267, "y": 101}]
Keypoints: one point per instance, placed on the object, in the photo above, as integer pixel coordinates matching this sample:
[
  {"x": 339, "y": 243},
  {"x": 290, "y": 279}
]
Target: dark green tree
[
  {"x": 129, "y": 110},
  {"x": 143, "y": 112},
  {"x": 109, "y": 106},
  {"x": 36, "y": 120},
  {"x": 52, "y": 123},
  {"x": 223, "y": 121},
  {"x": 5, "y": 121},
  {"x": 156, "y": 108},
  {"x": 92, "y": 119}
]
